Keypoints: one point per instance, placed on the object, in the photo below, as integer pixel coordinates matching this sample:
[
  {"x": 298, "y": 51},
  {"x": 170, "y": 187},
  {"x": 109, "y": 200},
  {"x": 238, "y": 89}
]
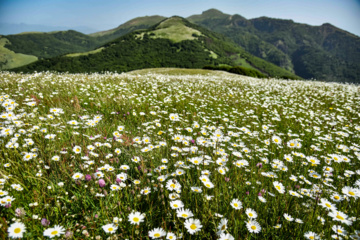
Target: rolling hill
[{"x": 174, "y": 42}]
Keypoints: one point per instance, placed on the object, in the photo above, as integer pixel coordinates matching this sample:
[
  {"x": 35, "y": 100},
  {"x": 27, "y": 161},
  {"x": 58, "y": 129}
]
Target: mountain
[
  {"x": 21, "y": 49},
  {"x": 45, "y": 45},
  {"x": 322, "y": 52},
  {"x": 174, "y": 42},
  {"x": 130, "y": 26}
]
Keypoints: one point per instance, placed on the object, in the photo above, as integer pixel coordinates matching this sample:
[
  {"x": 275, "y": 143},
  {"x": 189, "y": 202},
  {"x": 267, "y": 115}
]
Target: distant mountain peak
[{"x": 212, "y": 11}]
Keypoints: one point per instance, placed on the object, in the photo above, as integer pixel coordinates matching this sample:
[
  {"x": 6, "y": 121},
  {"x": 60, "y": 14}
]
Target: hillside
[
  {"x": 322, "y": 52},
  {"x": 9, "y": 59},
  {"x": 128, "y": 27},
  {"x": 46, "y": 45},
  {"x": 174, "y": 42},
  {"x": 53, "y": 44}
]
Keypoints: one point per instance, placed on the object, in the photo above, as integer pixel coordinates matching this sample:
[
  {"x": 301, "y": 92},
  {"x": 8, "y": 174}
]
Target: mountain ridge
[
  {"x": 323, "y": 52},
  {"x": 159, "y": 46}
]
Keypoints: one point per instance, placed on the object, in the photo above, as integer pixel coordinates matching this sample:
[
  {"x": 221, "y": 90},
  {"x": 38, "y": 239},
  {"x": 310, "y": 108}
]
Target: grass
[
  {"x": 85, "y": 53},
  {"x": 86, "y": 151},
  {"x": 10, "y": 59},
  {"x": 179, "y": 71},
  {"x": 173, "y": 29}
]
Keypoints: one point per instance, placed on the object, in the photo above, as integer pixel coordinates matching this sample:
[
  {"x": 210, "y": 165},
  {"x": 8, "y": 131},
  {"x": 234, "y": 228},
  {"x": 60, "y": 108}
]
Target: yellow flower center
[
  {"x": 352, "y": 193},
  {"x": 17, "y": 230},
  {"x": 236, "y": 205},
  {"x": 54, "y": 232},
  {"x": 157, "y": 235},
  {"x": 110, "y": 229},
  {"x": 340, "y": 217},
  {"x": 184, "y": 215},
  {"x": 193, "y": 226},
  {"x": 253, "y": 227},
  {"x": 135, "y": 219}
]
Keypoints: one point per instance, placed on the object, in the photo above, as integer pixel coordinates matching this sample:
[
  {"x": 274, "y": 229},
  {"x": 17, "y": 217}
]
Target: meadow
[{"x": 177, "y": 154}]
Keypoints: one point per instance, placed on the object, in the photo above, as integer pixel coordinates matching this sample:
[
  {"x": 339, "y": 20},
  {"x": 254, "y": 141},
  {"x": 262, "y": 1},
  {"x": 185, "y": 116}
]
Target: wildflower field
[{"x": 178, "y": 156}]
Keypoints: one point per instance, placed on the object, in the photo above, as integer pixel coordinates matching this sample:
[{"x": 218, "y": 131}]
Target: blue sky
[{"x": 106, "y": 14}]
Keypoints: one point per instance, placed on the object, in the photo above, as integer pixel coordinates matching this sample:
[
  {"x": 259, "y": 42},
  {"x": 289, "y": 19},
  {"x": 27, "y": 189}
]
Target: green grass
[
  {"x": 155, "y": 127},
  {"x": 179, "y": 71},
  {"x": 10, "y": 59},
  {"x": 85, "y": 53},
  {"x": 174, "y": 30}
]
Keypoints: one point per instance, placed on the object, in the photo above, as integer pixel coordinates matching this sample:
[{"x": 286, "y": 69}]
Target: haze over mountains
[{"x": 321, "y": 52}]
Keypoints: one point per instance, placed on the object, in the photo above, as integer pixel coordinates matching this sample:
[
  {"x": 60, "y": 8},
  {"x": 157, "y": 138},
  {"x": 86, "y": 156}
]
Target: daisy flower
[
  {"x": 16, "y": 230},
  {"x": 77, "y": 149},
  {"x": 328, "y": 205},
  {"x": 276, "y": 139},
  {"x": 170, "y": 236},
  {"x": 157, "y": 233},
  {"x": 184, "y": 213},
  {"x": 193, "y": 225},
  {"x": 339, "y": 230},
  {"x": 288, "y": 217},
  {"x": 279, "y": 186},
  {"x": 251, "y": 213},
  {"x": 351, "y": 192},
  {"x": 340, "y": 216},
  {"x": 176, "y": 204},
  {"x": 56, "y": 231},
  {"x": 109, "y": 228},
  {"x": 336, "y": 197},
  {"x": 209, "y": 185},
  {"x": 222, "y": 226},
  {"x": 77, "y": 176},
  {"x": 235, "y": 203},
  {"x": 311, "y": 235},
  {"x": 226, "y": 236},
  {"x": 136, "y": 218},
  {"x": 253, "y": 226}
]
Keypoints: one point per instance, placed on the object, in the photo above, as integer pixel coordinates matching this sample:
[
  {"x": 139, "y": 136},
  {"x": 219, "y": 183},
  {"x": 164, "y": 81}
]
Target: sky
[{"x": 101, "y": 15}]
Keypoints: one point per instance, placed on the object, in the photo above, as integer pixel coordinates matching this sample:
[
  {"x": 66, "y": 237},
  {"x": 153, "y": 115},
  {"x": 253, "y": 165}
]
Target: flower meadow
[{"x": 166, "y": 156}]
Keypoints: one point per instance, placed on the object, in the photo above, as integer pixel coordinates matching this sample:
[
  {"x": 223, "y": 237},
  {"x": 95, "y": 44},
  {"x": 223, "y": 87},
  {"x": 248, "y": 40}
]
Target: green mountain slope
[
  {"x": 174, "y": 42},
  {"x": 322, "y": 52},
  {"x": 10, "y": 59},
  {"x": 52, "y": 44},
  {"x": 128, "y": 27},
  {"x": 45, "y": 45}
]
